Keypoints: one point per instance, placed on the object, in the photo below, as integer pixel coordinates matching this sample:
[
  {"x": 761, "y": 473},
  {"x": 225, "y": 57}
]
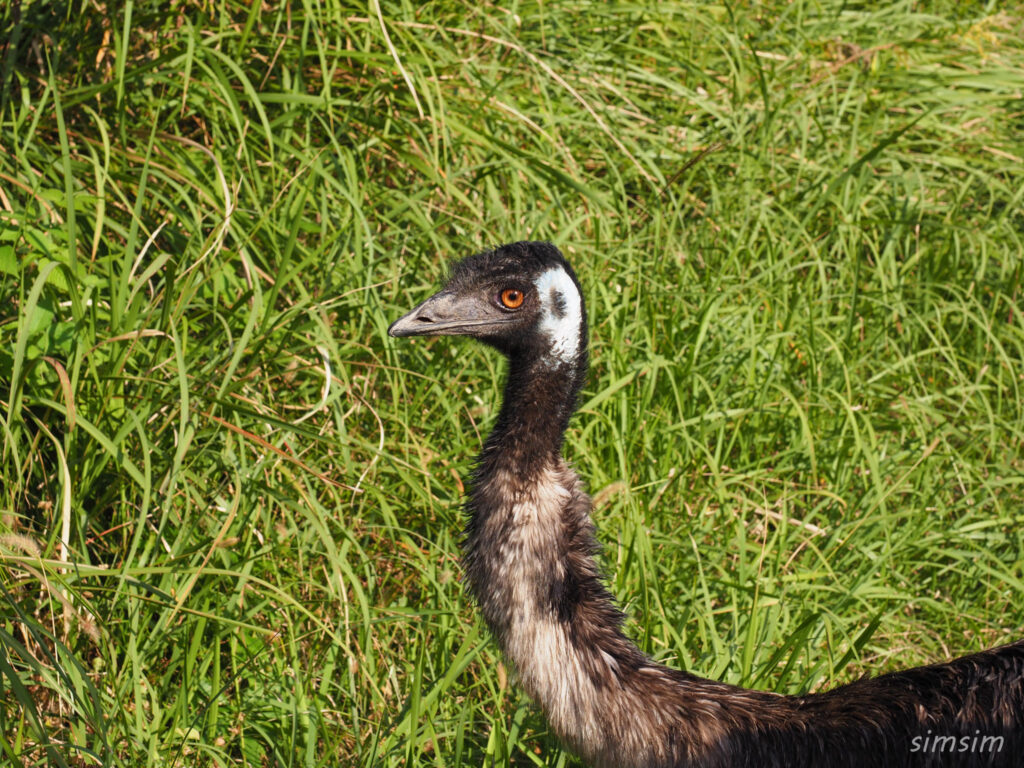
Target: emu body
[{"x": 529, "y": 561}]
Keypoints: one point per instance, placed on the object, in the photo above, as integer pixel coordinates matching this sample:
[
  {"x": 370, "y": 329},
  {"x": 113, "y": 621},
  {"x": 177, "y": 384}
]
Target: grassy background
[{"x": 229, "y": 515}]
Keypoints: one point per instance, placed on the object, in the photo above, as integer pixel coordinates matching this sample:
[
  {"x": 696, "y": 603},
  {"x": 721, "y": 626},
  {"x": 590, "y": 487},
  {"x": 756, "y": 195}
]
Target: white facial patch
[{"x": 561, "y": 313}]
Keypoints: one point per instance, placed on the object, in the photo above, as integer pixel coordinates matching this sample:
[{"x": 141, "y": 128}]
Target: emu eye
[{"x": 512, "y": 298}]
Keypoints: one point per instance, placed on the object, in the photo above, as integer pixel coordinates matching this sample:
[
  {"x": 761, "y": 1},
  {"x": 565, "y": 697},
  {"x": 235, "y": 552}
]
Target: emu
[{"x": 529, "y": 562}]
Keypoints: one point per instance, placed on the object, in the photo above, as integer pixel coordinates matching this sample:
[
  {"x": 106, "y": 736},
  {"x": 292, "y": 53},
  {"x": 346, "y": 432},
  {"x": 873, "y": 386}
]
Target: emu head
[{"x": 522, "y": 299}]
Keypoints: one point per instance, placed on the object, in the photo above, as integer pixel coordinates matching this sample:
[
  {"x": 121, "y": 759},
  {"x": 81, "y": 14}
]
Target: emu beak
[{"x": 446, "y": 314}]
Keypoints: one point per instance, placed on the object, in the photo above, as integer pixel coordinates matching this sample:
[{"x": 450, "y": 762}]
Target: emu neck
[
  {"x": 538, "y": 402},
  {"x": 528, "y": 559},
  {"x": 529, "y": 563}
]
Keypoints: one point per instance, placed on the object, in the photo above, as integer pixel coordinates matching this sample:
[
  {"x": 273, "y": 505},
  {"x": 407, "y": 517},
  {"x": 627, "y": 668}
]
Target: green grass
[{"x": 229, "y": 504}]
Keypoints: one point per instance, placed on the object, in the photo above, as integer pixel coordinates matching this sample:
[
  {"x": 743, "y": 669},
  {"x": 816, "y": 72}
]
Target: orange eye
[{"x": 512, "y": 298}]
